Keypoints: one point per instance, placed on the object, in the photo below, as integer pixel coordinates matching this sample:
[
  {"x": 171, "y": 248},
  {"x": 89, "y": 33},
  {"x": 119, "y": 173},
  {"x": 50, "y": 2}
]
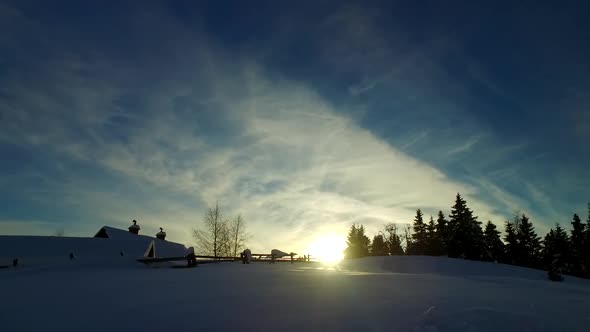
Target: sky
[{"x": 304, "y": 117}]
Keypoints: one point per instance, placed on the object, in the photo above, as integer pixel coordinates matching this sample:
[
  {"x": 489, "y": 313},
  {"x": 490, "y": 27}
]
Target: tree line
[{"x": 462, "y": 236}]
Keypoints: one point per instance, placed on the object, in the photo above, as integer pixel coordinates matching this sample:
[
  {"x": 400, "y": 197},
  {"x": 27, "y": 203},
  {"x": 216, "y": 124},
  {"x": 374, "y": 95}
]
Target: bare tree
[
  {"x": 212, "y": 237},
  {"x": 220, "y": 236},
  {"x": 60, "y": 232},
  {"x": 393, "y": 239},
  {"x": 516, "y": 215},
  {"x": 225, "y": 240},
  {"x": 407, "y": 229},
  {"x": 238, "y": 235}
]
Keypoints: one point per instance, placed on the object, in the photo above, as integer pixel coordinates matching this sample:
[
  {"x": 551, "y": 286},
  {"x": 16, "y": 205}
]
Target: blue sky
[{"x": 303, "y": 117}]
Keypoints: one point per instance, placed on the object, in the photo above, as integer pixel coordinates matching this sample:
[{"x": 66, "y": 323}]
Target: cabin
[{"x": 109, "y": 246}]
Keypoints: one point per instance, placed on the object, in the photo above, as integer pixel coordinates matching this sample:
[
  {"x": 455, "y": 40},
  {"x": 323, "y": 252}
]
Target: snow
[
  {"x": 278, "y": 253},
  {"x": 441, "y": 266},
  {"x": 369, "y": 294},
  {"x": 51, "y": 250}
]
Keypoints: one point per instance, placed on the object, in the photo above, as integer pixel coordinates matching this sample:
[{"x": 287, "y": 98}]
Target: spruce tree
[
  {"x": 465, "y": 233},
  {"x": 586, "y": 267},
  {"x": 442, "y": 233},
  {"x": 511, "y": 247},
  {"x": 548, "y": 248},
  {"x": 364, "y": 241},
  {"x": 528, "y": 244},
  {"x": 556, "y": 252},
  {"x": 395, "y": 246},
  {"x": 432, "y": 239},
  {"x": 420, "y": 237},
  {"x": 358, "y": 243},
  {"x": 578, "y": 239},
  {"x": 494, "y": 247},
  {"x": 378, "y": 247},
  {"x": 394, "y": 241},
  {"x": 455, "y": 230},
  {"x": 351, "y": 250}
]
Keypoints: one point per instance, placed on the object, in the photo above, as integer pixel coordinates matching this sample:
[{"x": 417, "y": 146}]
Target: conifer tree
[
  {"x": 432, "y": 244},
  {"x": 494, "y": 247},
  {"x": 556, "y": 243},
  {"x": 556, "y": 251},
  {"x": 586, "y": 267},
  {"x": 466, "y": 235},
  {"x": 578, "y": 239},
  {"x": 548, "y": 248},
  {"x": 358, "y": 243},
  {"x": 378, "y": 247},
  {"x": 395, "y": 247},
  {"x": 442, "y": 233},
  {"x": 528, "y": 244},
  {"x": 419, "y": 237},
  {"x": 511, "y": 248}
]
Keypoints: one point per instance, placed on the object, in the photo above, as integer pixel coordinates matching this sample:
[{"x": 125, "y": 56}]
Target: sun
[{"x": 328, "y": 249}]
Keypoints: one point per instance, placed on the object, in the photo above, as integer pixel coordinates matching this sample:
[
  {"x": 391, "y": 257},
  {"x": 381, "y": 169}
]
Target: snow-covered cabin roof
[
  {"x": 108, "y": 232},
  {"x": 110, "y": 245},
  {"x": 164, "y": 248}
]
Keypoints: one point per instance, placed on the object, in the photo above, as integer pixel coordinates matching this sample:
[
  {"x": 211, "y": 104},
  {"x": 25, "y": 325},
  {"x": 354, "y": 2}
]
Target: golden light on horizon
[{"x": 328, "y": 249}]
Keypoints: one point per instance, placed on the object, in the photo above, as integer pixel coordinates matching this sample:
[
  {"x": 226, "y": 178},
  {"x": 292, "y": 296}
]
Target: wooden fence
[{"x": 194, "y": 260}]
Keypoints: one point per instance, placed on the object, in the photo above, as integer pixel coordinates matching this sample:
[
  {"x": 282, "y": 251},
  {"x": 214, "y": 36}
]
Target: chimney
[
  {"x": 161, "y": 234},
  {"x": 134, "y": 228}
]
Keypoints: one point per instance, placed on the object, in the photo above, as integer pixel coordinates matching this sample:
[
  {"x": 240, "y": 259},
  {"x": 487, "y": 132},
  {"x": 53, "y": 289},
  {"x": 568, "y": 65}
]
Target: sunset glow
[{"x": 328, "y": 249}]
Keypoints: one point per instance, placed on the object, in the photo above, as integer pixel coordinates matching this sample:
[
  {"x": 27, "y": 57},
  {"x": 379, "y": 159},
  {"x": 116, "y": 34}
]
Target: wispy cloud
[
  {"x": 464, "y": 147},
  {"x": 292, "y": 164}
]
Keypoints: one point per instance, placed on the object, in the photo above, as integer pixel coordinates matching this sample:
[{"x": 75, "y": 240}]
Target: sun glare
[{"x": 328, "y": 249}]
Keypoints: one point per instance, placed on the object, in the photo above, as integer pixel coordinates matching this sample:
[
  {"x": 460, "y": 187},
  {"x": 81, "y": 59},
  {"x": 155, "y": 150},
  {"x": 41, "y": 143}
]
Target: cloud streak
[{"x": 293, "y": 165}]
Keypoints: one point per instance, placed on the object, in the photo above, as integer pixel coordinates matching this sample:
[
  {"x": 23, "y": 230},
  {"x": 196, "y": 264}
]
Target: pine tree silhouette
[
  {"x": 494, "y": 247},
  {"x": 420, "y": 236},
  {"x": 358, "y": 243},
  {"x": 586, "y": 267},
  {"x": 556, "y": 251},
  {"x": 442, "y": 233},
  {"x": 466, "y": 236},
  {"x": 379, "y": 247},
  {"x": 432, "y": 241},
  {"x": 511, "y": 248},
  {"x": 529, "y": 245},
  {"x": 578, "y": 239},
  {"x": 395, "y": 246}
]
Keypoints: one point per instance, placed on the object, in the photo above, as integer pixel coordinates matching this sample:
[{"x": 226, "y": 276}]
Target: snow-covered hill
[
  {"x": 440, "y": 266},
  {"x": 370, "y": 294}
]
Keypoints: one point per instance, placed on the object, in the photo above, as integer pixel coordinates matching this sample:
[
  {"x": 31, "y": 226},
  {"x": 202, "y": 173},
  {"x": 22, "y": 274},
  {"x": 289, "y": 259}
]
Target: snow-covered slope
[
  {"x": 371, "y": 294},
  {"x": 440, "y": 266}
]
